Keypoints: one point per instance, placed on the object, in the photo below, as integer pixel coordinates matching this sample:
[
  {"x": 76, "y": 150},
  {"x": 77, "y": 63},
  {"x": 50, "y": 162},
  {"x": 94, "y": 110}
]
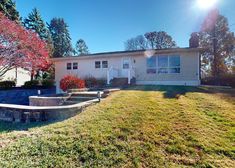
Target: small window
[
  {"x": 151, "y": 65},
  {"x": 75, "y": 65},
  {"x": 97, "y": 64},
  {"x": 69, "y": 66},
  {"x": 126, "y": 64},
  {"x": 104, "y": 64}
]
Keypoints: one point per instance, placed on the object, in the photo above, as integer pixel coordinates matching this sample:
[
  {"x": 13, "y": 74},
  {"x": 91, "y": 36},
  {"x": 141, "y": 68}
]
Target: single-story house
[{"x": 176, "y": 66}]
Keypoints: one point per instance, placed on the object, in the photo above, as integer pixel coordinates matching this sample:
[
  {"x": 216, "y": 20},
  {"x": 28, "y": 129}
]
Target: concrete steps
[
  {"x": 85, "y": 94},
  {"x": 81, "y": 98},
  {"x": 77, "y": 97}
]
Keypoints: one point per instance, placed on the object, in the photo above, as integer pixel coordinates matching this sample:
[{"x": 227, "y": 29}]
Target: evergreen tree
[
  {"x": 8, "y": 8},
  {"x": 218, "y": 41},
  {"x": 81, "y": 47},
  {"x": 60, "y": 37},
  {"x": 34, "y": 22}
]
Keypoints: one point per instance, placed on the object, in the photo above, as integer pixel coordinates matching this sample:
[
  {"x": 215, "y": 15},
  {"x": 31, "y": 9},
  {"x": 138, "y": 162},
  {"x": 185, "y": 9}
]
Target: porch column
[
  {"x": 108, "y": 77},
  {"x": 129, "y": 77}
]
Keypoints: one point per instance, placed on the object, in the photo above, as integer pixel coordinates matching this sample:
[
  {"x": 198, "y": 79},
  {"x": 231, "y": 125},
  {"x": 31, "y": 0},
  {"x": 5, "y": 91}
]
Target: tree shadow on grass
[{"x": 176, "y": 91}]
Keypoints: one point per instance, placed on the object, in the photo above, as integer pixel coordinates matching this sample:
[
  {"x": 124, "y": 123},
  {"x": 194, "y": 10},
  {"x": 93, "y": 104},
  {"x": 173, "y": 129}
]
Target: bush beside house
[
  {"x": 7, "y": 84},
  {"x": 71, "y": 82},
  {"x": 225, "y": 80},
  {"x": 91, "y": 82}
]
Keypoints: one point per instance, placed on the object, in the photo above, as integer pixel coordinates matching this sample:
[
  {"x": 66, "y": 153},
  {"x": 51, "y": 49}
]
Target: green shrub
[
  {"x": 101, "y": 82},
  {"x": 90, "y": 81},
  {"x": 48, "y": 83},
  {"x": 7, "y": 84},
  {"x": 31, "y": 84}
]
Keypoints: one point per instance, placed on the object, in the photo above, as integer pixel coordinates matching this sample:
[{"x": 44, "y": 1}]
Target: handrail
[{"x": 114, "y": 73}]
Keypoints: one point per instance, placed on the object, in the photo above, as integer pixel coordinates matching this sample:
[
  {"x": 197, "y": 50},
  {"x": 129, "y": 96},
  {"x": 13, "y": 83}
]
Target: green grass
[{"x": 144, "y": 126}]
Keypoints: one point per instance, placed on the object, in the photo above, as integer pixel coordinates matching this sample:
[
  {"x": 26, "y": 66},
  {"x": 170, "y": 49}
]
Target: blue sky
[{"x": 106, "y": 24}]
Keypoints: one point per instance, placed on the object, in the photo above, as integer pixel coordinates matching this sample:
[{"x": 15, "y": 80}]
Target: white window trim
[{"x": 102, "y": 64}]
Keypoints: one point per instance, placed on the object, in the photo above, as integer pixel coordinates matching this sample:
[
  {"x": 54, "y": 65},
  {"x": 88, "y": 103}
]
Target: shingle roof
[{"x": 113, "y": 53}]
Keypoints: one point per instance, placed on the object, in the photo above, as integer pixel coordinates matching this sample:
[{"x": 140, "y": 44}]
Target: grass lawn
[{"x": 144, "y": 126}]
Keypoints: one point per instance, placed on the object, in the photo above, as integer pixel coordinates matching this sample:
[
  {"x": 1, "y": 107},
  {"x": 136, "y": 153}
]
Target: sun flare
[{"x": 206, "y": 4}]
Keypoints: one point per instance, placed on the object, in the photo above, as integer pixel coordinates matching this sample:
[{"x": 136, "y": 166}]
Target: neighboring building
[
  {"x": 178, "y": 66},
  {"x": 17, "y": 74}
]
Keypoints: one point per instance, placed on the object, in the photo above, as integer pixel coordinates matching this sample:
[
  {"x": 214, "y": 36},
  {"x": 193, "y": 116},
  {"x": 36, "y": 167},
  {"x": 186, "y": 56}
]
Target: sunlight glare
[{"x": 206, "y": 4}]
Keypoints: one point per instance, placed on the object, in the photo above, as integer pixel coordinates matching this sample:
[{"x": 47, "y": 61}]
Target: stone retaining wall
[
  {"x": 21, "y": 113},
  {"x": 47, "y": 101}
]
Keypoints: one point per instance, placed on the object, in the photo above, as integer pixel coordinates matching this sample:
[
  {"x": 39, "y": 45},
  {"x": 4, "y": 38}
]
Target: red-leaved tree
[{"x": 21, "y": 48}]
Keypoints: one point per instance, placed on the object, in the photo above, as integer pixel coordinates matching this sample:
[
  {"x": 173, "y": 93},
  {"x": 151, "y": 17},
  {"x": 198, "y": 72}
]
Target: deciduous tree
[
  {"x": 136, "y": 43},
  {"x": 151, "y": 40},
  {"x": 21, "y": 48},
  {"x": 160, "y": 40}
]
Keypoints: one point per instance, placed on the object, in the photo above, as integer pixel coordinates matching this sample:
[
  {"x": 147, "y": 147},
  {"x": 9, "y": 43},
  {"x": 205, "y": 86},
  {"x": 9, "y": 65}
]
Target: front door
[{"x": 125, "y": 67}]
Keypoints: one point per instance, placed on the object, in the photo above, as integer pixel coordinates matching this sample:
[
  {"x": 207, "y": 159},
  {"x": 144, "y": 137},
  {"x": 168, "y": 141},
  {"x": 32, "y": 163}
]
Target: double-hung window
[
  {"x": 69, "y": 66},
  {"x": 97, "y": 64},
  {"x": 75, "y": 65},
  {"x": 104, "y": 64}
]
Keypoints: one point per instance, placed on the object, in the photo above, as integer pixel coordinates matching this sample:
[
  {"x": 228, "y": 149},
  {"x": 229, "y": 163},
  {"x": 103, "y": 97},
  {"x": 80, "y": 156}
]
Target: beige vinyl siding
[{"x": 189, "y": 67}]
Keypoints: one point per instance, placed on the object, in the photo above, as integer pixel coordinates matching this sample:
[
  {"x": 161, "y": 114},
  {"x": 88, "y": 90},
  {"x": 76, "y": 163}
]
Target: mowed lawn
[{"x": 144, "y": 126}]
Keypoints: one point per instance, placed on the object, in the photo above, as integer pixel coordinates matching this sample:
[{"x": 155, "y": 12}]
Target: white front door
[{"x": 125, "y": 67}]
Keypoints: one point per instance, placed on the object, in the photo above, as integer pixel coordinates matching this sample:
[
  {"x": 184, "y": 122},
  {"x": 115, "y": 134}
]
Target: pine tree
[
  {"x": 34, "y": 22},
  {"x": 219, "y": 43},
  {"x": 60, "y": 37},
  {"x": 81, "y": 47},
  {"x": 8, "y": 8}
]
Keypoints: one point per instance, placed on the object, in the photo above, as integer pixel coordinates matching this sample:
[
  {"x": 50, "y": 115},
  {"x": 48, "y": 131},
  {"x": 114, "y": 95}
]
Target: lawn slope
[{"x": 139, "y": 127}]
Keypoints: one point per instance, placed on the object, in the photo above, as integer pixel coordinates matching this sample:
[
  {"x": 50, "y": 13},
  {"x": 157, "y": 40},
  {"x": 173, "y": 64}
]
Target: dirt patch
[{"x": 9, "y": 138}]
